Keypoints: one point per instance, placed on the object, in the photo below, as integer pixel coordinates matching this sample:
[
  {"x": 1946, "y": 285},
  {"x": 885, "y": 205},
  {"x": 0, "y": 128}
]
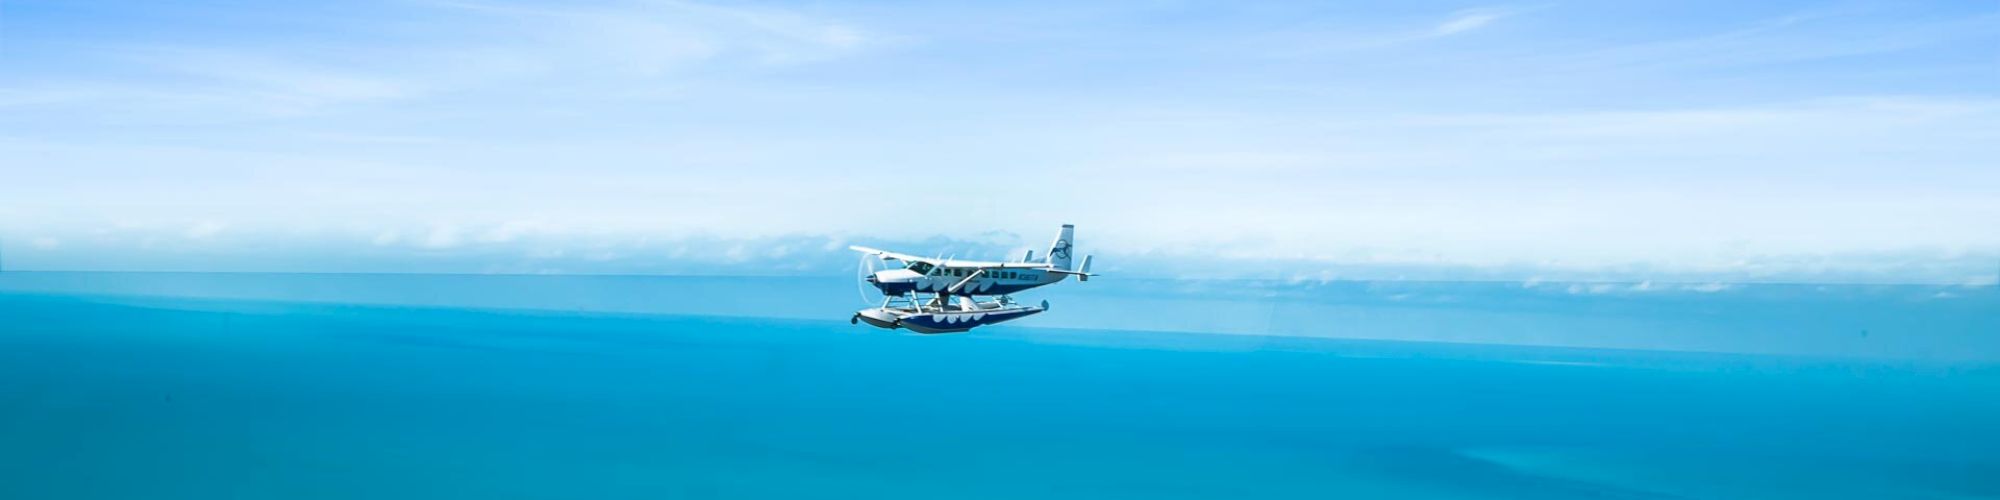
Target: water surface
[{"x": 201, "y": 386}]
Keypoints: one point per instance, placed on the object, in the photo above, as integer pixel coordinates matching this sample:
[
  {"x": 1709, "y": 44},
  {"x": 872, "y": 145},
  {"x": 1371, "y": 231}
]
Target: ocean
[{"x": 190, "y": 385}]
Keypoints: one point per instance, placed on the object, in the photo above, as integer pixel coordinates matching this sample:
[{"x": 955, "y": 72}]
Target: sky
[{"x": 1679, "y": 141}]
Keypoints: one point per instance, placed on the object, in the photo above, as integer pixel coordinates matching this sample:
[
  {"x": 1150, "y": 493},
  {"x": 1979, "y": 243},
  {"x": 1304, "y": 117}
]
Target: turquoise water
[{"x": 357, "y": 386}]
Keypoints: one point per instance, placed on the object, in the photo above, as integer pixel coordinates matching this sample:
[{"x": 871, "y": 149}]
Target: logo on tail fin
[{"x": 1061, "y": 250}]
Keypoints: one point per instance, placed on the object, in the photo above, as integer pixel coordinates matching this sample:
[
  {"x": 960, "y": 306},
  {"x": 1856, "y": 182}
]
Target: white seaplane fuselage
[
  {"x": 919, "y": 296},
  {"x": 987, "y": 278}
]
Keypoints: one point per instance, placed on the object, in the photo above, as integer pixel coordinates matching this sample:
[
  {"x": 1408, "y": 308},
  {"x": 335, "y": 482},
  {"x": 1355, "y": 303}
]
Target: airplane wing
[
  {"x": 967, "y": 264},
  {"x": 1012, "y": 265},
  {"x": 893, "y": 255},
  {"x": 974, "y": 264}
]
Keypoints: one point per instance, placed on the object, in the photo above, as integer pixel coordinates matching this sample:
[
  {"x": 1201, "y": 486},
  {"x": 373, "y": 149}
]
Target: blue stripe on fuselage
[{"x": 993, "y": 286}]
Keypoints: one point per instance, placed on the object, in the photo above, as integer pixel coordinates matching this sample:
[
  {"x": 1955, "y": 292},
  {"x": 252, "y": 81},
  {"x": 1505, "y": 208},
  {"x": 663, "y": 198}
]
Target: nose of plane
[{"x": 893, "y": 282}]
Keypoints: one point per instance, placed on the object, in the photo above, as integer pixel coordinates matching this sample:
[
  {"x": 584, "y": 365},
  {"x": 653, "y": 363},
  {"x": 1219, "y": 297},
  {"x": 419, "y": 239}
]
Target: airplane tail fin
[{"x": 1059, "y": 252}]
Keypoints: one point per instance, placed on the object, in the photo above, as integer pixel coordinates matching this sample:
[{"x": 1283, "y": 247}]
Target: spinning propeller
[{"x": 868, "y": 266}]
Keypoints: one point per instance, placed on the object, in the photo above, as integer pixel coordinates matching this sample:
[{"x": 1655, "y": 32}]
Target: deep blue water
[{"x": 345, "y": 386}]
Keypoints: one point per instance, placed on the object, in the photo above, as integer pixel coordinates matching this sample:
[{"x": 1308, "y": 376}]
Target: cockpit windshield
[{"x": 923, "y": 268}]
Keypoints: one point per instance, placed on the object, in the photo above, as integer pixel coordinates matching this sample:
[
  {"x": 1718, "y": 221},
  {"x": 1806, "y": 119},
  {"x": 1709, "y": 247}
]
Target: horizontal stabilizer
[{"x": 1082, "y": 273}]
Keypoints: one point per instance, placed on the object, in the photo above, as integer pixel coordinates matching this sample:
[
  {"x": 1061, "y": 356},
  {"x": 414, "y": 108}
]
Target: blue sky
[{"x": 1800, "y": 141}]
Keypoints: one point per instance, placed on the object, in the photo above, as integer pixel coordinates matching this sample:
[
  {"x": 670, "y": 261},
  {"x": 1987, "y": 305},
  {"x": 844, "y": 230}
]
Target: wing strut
[{"x": 968, "y": 279}]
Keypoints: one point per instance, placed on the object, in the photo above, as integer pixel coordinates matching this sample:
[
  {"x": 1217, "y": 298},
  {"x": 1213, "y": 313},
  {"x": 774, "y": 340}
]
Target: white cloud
[
  {"x": 441, "y": 237},
  {"x": 652, "y": 37},
  {"x": 283, "y": 76},
  {"x": 446, "y": 247},
  {"x": 1805, "y": 36},
  {"x": 208, "y": 84},
  {"x": 1348, "y": 39},
  {"x": 1468, "y": 20},
  {"x": 204, "y": 230},
  {"x": 513, "y": 230},
  {"x": 587, "y": 49}
]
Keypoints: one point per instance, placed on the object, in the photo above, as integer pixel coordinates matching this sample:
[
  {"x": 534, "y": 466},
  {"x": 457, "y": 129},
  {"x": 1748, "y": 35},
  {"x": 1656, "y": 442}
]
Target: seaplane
[{"x": 943, "y": 295}]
